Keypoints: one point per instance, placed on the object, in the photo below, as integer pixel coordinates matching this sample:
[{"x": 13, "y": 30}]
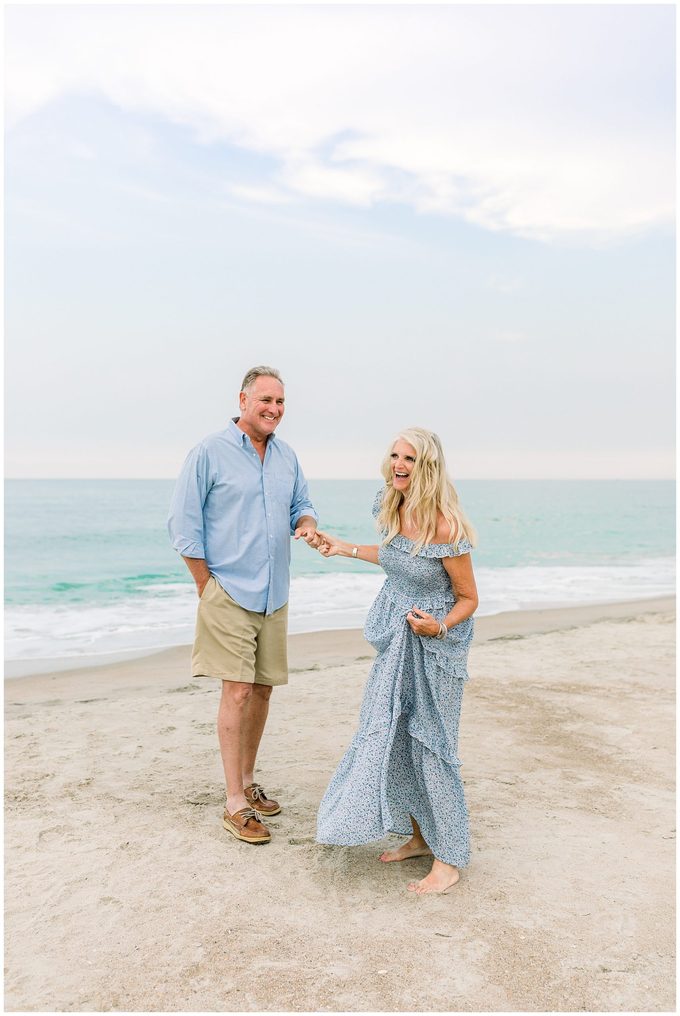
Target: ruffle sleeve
[
  {"x": 377, "y": 501},
  {"x": 432, "y": 549},
  {"x": 447, "y": 549}
]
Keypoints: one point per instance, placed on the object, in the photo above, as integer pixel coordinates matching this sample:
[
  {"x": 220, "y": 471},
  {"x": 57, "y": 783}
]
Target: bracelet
[
  {"x": 355, "y": 551},
  {"x": 443, "y": 631}
]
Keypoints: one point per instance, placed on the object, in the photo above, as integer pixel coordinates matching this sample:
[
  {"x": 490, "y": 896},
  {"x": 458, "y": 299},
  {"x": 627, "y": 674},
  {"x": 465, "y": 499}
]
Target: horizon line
[{"x": 354, "y": 479}]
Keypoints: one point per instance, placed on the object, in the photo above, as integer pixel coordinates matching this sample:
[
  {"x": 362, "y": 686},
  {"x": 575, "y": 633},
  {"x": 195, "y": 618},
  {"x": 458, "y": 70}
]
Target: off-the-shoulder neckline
[
  {"x": 409, "y": 540},
  {"x": 433, "y": 548}
]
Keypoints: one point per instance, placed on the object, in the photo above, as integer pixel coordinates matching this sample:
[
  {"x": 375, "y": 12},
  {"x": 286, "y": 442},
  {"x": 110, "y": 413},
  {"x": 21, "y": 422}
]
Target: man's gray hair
[{"x": 255, "y": 372}]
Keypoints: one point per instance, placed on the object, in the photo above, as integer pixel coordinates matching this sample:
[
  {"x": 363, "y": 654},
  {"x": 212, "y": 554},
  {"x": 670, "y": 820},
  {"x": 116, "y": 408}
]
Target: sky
[{"x": 454, "y": 217}]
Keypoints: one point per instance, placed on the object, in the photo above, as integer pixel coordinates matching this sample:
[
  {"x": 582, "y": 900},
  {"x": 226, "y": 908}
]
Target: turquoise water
[{"x": 98, "y": 550}]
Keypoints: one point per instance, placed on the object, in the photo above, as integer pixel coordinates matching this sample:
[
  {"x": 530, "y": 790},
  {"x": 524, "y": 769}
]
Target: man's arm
[
  {"x": 303, "y": 514},
  {"x": 199, "y": 572},
  {"x": 185, "y": 523}
]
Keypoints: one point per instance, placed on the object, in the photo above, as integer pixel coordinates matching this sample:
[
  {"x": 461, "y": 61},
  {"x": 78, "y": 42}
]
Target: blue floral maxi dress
[{"x": 403, "y": 759}]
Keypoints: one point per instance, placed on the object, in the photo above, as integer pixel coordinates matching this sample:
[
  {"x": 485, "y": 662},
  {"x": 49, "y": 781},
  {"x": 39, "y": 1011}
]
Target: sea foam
[{"x": 163, "y": 615}]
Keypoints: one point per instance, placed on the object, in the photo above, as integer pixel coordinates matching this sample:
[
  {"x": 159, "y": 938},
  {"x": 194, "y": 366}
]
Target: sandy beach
[{"x": 124, "y": 892}]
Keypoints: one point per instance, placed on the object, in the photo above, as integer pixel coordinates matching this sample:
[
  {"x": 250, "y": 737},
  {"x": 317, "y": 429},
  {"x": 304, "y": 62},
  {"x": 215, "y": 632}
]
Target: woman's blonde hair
[{"x": 429, "y": 492}]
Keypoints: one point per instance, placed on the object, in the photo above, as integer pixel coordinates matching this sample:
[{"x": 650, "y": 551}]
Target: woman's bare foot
[
  {"x": 441, "y": 878},
  {"x": 415, "y": 847}
]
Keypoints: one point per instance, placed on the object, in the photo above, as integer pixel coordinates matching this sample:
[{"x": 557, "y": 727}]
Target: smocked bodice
[{"x": 419, "y": 579}]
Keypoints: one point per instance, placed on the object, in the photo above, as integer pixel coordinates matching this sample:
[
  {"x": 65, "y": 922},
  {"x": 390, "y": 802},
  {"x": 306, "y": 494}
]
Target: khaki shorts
[{"x": 235, "y": 644}]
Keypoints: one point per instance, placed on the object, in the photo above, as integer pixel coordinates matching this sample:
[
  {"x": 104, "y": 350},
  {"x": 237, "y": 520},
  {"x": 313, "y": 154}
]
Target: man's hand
[
  {"x": 305, "y": 529},
  {"x": 200, "y": 573}
]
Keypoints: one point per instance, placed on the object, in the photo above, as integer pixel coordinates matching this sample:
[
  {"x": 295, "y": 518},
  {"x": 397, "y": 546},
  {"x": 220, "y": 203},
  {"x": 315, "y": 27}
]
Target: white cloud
[
  {"x": 544, "y": 121},
  {"x": 347, "y": 185},
  {"x": 259, "y": 195}
]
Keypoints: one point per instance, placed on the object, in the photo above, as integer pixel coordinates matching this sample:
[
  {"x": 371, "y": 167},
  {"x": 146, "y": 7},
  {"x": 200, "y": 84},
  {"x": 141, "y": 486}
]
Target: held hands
[
  {"x": 329, "y": 545},
  {"x": 308, "y": 533},
  {"x": 422, "y": 623},
  {"x": 325, "y": 544}
]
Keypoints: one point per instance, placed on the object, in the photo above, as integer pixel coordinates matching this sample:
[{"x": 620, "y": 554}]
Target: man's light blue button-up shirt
[{"x": 239, "y": 513}]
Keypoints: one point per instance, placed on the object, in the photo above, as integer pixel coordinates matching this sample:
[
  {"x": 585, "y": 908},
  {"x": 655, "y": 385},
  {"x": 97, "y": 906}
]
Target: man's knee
[
  {"x": 236, "y": 692},
  {"x": 263, "y": 691}
]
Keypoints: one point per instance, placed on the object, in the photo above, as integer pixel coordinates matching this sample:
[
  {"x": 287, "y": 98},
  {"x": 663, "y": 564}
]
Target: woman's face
[{"x": 403, "y": 459}]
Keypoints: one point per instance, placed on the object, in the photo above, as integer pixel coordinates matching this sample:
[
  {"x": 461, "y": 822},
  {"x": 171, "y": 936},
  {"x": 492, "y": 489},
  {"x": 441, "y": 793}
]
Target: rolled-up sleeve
[
  {"x": 185, "y": 522},
  {"x": 300, "y": 504}
]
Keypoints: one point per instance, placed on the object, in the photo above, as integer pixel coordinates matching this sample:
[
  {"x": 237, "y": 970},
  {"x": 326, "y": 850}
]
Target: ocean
[{"x": 89, "y": 569}]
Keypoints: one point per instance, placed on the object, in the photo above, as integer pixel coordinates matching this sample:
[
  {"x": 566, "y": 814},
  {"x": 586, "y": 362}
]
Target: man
[{"x": 240, "y": 496}]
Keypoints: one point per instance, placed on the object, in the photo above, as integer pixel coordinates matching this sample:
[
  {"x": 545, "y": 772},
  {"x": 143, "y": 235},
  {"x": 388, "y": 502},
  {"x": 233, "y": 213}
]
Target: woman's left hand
[{"x": 422, "y": 623}]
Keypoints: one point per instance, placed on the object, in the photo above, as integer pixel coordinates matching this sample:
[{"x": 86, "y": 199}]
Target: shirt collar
[{"x": 240, "y": 435}]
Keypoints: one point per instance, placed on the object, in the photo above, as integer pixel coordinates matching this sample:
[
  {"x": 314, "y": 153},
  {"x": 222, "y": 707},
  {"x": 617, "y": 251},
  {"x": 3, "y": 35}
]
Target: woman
[{"x": 401, "y": 771}]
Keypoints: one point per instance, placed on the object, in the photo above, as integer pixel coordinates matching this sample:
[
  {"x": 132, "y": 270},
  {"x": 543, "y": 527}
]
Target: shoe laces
[{"x": 250, "y": 813}]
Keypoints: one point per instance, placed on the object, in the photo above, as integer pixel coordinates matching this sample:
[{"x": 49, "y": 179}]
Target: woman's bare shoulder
[{"x": 443, "y": 533}]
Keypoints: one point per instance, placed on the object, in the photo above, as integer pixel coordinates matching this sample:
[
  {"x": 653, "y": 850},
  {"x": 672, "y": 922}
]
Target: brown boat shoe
[
  {"x": 245, "y": 825},
  {"x": 256, "y": 796}
]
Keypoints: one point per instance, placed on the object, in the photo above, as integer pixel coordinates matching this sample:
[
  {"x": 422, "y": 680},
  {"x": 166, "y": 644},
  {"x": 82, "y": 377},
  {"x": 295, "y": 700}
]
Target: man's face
[{"x": 262, "y": 407}]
